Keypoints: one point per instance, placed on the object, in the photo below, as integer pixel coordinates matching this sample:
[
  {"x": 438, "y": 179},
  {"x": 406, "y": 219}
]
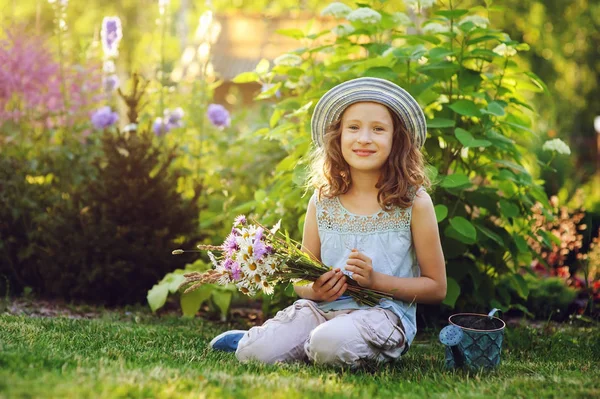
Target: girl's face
[{"x": 367, "y": 133}]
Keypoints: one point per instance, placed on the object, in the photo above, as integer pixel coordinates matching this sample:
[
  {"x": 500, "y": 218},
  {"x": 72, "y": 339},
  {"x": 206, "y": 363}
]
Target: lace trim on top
[{"x": 332, "y": 216}]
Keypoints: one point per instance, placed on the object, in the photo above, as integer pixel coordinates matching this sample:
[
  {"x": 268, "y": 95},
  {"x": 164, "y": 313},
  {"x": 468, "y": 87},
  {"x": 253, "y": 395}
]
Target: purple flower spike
[
  {"x": 159, "y": 128},
  {"x": 104, "y": 117},
  {"x": 111, "y": 35},
  {"x": 218, "y": 116},
  {"x": 111, "y": 83},
  {"x": 240, "y": 220}
]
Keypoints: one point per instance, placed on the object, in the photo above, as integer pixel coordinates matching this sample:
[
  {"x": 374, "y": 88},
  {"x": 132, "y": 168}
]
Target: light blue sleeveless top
[{"x": 385, "y": 237}]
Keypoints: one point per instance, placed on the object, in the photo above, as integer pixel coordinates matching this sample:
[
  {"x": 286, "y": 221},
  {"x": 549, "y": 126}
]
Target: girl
[{"x": 372, "y": 221}]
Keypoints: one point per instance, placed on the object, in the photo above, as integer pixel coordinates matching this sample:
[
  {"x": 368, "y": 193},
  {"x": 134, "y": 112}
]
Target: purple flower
[
  {"x": 259, "y": 248},
  {"x": 240, "y": 220},
  {"x": 111, "y": 83},
  {"x": 174, "y": 118},
  {"x": 111, "y": 35},
  {"x": 227, "y": 264},
  {"x": 230, "y": 245},
  {"x": 236, "y": 271},
  {"x": 235, "y": 232},
  {"x": 104, "y": 117},
  {"x": 259, "y": 234},
  {"x": 159, "y": 127},
  {"x": 270, "y": 250},
  {"x": 171, "y": 120},
  {"x": 218, "y": 116}
]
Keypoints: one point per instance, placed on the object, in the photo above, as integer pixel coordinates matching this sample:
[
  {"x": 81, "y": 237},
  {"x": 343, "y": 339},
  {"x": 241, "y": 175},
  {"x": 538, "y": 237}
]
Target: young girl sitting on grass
[{"x": 371, "y": 220}]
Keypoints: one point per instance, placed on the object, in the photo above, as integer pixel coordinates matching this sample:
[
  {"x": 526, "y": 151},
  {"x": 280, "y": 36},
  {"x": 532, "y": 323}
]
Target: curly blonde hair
[{"x": 402, "y": 173}]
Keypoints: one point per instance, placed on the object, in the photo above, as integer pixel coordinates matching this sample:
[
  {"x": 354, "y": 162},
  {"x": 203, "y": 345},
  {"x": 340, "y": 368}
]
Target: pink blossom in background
[{"x": 31, "y": 85}]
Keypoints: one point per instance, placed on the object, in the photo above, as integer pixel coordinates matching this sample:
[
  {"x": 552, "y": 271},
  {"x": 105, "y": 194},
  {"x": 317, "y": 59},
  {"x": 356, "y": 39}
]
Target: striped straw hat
[{"x": 335, "y": 101}]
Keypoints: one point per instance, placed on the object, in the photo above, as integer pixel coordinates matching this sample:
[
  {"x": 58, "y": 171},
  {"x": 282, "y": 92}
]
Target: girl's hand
[
  {"x": 330, "y": 286},
  {"x": 361, "y": 267}
]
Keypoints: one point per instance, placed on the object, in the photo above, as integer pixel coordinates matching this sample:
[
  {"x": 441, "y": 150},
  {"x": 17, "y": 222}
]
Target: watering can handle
[{"x": 492, "y": 312}]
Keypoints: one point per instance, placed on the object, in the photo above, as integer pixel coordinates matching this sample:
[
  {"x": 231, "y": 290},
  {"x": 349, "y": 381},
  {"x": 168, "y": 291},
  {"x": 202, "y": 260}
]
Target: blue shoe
[{"x": 227, "y": 341}]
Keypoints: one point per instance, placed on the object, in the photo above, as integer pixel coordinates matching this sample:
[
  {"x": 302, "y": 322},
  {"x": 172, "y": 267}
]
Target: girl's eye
[
  {"x": 379, "y": 129},
  {"x": 353, "y": 127}
]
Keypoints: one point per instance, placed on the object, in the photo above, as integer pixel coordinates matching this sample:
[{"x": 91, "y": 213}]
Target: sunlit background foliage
[{"x": 132, "y": 128}]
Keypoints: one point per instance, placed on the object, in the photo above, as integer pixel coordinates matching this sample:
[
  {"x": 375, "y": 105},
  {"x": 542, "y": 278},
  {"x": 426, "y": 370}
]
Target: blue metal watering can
[{"x": 473, "y": 340}]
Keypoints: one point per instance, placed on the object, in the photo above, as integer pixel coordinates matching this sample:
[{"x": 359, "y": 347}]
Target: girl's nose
[{"x": 364, "y": 137}]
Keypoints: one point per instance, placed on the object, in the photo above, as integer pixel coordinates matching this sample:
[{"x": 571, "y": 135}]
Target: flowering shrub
[
  {"x": 32, "y": 81},
  {"x": 473, "y": 92}
]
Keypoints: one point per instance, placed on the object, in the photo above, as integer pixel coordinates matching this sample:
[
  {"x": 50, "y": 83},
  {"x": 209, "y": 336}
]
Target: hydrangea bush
[{"x": 467, "y": 78}]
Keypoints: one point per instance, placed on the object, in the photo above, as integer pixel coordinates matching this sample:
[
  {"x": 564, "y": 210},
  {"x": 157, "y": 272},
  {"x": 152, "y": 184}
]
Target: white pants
[{"x": 343, "y": 337}]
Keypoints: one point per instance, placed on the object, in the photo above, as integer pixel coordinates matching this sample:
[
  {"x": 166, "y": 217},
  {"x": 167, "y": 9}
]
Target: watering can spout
[{"x": 451, "y": 336}]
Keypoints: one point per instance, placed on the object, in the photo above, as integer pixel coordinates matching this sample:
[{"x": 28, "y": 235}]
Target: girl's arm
[
  {"x": 430, "y": 287},
  {"x": 330, "y": 285}
]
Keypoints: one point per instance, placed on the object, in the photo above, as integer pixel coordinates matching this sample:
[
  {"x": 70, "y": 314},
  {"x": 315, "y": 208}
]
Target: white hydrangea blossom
[
  {"x": 364, "y": 15},
  {"x": 423, "y": 60},
  {"x": 419, "y": 4},
  {"x": 504, "y": 50},
  {"x": 337, "y": 10},
  {"x": 343, "y": 30},
  {"x": 401, "y": 19},
  {"x": 288, "y": 60},
  {"x": 434, "y": 28},
  {"x": 477, "y": 20},
  {"x": 557, "y": 145}
]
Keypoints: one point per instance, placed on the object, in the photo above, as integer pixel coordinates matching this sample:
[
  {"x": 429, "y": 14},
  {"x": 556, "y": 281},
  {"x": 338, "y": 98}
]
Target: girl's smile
[{"x": 363, "y": 153}]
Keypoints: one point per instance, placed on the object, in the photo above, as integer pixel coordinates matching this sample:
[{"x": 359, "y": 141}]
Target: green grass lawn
[{"x": 164, "y": 357}]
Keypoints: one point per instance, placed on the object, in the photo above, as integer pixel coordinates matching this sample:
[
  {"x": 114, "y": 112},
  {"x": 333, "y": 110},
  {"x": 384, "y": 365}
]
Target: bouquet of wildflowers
[{"x": 256, "y": 259}]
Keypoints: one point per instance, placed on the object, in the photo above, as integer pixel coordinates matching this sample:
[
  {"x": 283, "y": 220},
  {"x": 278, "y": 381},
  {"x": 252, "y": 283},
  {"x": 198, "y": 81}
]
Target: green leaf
[
  {"x": 490, "y": 234},
  {"x": 222, "y": 299},
  {"x": 381, "y": 72},
  {"x": 451, "y": 232},
  {"x": 439, "y": 52},
  {"x": 190, "y": 303},
  {"x": 463, "y": 227},
  {"x": 260, "y": 195},
  {"x": 465, "y": 107},
  {"x": 538, "y": 81},
  {"x": 293, "y": 33},
  {"x": 262, "y": 67},
  {"x": 440, "y": 123},
  {"x": 452, "y": 14},
  {"x": 246, "y": 77},
  {"x": 175, "y": 282},
  {"x": 452, "y": 292},
  {"x": 480, "y": 39},
  {"x": 520, "y": 285},
  {"x": 467, "y": 140},
  {"x": 157, "y": 296},
  {"x": 495, "y": 108},
  {"x": 521, "y": 244},
  {"x": 441, "y": 211},
  {"x": 275, "y": 117},
  {"x": 455, "y": 181},
  {"x": 508, "y": 209}
]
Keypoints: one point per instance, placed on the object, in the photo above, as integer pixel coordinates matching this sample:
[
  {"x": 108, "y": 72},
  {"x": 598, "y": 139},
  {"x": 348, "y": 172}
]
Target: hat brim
[{"x": 333, "y": 103}]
